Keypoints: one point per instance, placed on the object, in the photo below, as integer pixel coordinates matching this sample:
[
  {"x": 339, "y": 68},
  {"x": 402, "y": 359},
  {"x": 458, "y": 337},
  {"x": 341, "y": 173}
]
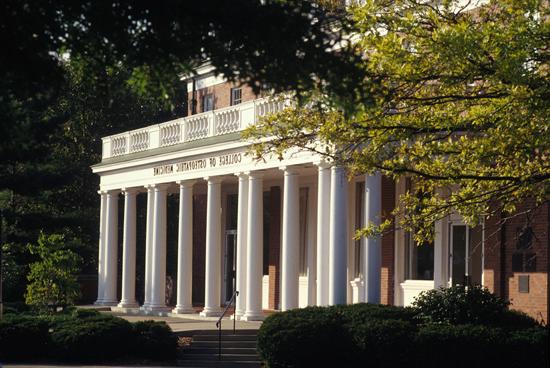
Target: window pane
[
  {"x": 207, "y": 102},
  {"x": 236, "y": 96},
  {"x": 458, "y": 252},
  {"x": 419, "y": 259}
]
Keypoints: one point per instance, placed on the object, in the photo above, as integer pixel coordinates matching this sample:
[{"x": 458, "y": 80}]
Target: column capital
[
  {"x": 254, "y": 175},
  {"x": 126, "y": 191},
  {"x": 101, "y": 192},
  {"x": 290, "y": 170},
  {"x": 112, "y": 192},
  {"x": 186, "y": 183},
  {"x": 242, "y": 174},
  {"x": 213, "y": 179},
  {"x": 323, "y": 164},
  {"x": 161, "y": 187}
]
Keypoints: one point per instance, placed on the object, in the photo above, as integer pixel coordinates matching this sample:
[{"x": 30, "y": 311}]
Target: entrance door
[{"x": 230, "y": 263}]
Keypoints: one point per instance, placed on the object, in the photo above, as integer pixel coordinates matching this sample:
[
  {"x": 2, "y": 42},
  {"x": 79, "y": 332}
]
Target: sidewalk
[{"x": 178, "y": 324}]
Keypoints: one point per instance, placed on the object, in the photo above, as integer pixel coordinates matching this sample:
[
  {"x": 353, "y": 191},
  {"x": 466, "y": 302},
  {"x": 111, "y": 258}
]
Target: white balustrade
[
  {"x": 170, "y": 133},
  {"x": 227, "y": 121},
  {"x": 269, "y": 106},
  {"x": 213, "y": 123},
  {"x": 197, "y": 127},
  {"x": 118, "y": 145},
  {"x": 139, "y": 140}
]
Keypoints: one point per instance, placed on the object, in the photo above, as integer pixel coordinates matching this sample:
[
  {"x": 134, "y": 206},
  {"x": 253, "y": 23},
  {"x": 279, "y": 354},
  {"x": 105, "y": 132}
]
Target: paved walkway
[{"x": 178, "y": 324}]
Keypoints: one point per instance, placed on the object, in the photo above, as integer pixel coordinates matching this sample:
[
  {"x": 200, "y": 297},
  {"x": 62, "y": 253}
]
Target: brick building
[{"x": 280, "y": 232}]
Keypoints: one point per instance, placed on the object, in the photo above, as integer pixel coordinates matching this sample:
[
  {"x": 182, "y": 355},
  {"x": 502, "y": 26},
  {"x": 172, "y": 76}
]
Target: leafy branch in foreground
[{"x": 458, "y": 100}]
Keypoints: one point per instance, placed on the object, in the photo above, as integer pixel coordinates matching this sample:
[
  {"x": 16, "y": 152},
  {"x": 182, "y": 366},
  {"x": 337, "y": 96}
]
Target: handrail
[{"x": 219, "y": 323}]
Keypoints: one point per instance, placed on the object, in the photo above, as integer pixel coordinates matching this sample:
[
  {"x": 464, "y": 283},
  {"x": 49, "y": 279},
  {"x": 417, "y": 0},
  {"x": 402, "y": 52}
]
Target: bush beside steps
[
  {"x": 453, "y": 327},
  {"x": 84, "y": 336}
]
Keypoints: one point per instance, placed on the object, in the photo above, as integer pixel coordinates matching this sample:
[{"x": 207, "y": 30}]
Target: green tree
[
  {"x": 456, "y": 97},
  {"x": 52, "y": 279},
  {"x": 75, "y": 71}
]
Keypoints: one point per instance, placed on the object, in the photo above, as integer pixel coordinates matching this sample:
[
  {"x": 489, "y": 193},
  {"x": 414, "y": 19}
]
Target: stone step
[
  {"x": 225, "y": 344},
  {"x": 225, "y": 350},
  {"x": 215, "y": 337},
  {"x": 217, "y": 363},
  {"x": 225, "y": 357}
]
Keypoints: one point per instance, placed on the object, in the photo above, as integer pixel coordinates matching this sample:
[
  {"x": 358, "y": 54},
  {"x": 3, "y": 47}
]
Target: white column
[
  {"x": 242, "y": 218},
  {"x": 129, "y": 251},
  {"x": 212, "y": 288},
  {"x": 338, "y": 236},
  {"x": 372, "y": 252},
  {"x": 101, "y": 253},
  {"x": 323, "y": 233},
  {"x": 158, "y": 270},
  {"x": 111, "y": 248},
  {"x": 291, "y": 240},
  {"x": 185, "y": 249},
  {"x": 149, "y": 244},
  {"x": 254, "y": 250}
]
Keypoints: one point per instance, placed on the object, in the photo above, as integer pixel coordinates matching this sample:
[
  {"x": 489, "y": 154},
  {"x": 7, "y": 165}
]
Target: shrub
[
  {"x": 85, "y": 313},
  {"x": 438, "y": 345},
  {"x": 460, "y": 305},
  {"x": 383, "y": 342},
  {"x": 312, "y": 336},
  {"x": 23, "y": 336},
  {"x": 357, "y": 313},
  {"x": 52, "y": 280},
  {"x": 154, "y": 340},
  {"x": 92, "y": 339}
]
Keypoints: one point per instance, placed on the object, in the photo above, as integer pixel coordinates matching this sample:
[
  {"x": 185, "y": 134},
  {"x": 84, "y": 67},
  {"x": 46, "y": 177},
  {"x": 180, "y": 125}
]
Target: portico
[{"x": 315, "y": 216}]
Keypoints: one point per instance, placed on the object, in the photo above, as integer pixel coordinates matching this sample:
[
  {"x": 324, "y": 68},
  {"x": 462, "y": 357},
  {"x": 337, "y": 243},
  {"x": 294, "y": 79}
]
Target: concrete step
[
  {"x": 215, "y": 337},
  {"x": 225, "y": 357},
  {"x": 225, "y": 344},
  {"x": 225, "y": 350},
  {"x": 220, "y": 364}
]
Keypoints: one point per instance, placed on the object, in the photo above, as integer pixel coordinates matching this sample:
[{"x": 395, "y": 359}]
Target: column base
[
  {"x": 109, "y": 303},
  {"x": 128, "y": 304},
  {"x": 252, "y": 316},
  {"x": 156, "y": 308},
  {"x": 185, "y": 309},
  {"x": 211, "y": 312},
  {"x": 237, "y": 316},
  {"x": 98, "y": 302}
]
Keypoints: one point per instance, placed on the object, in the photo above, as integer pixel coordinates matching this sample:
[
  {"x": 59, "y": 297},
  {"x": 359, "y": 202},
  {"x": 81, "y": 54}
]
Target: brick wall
[
  {"x": 503, "y": 249},
  {"x": 221, "y": 94}
]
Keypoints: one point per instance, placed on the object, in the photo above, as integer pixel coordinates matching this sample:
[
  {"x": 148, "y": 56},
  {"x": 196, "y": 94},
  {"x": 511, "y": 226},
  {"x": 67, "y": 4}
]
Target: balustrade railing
[{"x": 208, "y": 124}]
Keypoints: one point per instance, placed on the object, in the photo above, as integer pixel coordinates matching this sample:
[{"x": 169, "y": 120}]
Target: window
[
  {"x": 524, "y": 258},
  {"x": 419, "y": 259},
  {"x": 359, "y": 221},
  {"x": 465, "y": 254},
  {"x": 207, "y": 102},
  {"x": 236, "y": 96}
]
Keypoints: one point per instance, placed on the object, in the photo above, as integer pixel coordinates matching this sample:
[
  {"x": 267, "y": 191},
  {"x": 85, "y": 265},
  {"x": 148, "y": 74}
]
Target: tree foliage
[
  {"x": 52, "y": 279},
  {"x": 75, "y": 71},
  {"x": 456, "y": 97}
]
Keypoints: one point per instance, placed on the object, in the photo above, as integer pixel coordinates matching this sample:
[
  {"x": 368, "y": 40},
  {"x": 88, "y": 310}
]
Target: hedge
[
  {"x": 83, "y": 336},
  {"x": 388, "y": 336}
]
